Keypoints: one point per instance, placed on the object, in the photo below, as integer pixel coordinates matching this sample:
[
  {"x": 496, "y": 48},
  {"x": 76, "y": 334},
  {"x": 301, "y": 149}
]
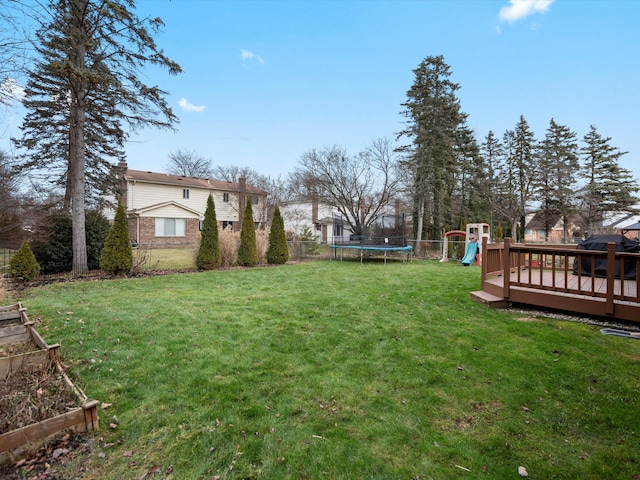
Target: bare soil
[
  {"x": 17, "y": 348},
  {"x": 28, "y": 397},
  {"x": 48, "y": 463}
]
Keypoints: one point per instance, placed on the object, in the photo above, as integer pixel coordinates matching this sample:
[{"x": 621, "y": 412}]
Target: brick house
[
  {"x": 165, "y": 210},
  {"x": 535, "y": 230}
]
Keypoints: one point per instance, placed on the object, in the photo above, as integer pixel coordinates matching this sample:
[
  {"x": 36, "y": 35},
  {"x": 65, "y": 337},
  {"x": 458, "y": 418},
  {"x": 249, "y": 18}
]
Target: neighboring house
[
  {"x": 321, "y": 220},
  {"x": 618, "y": 222},
  {"x": 166, "y": 210},
  {"x": 534, "y": 231},
  {"x": 328, "y": 225}
]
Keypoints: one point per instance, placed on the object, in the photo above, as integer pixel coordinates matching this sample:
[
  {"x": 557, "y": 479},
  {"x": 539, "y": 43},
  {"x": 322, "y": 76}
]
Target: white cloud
[
  {"x": 190, "y": 107},
  {"x": 519, "y": 9},
  {"x": 248, "y": 55},
  {"x": 10, "y": 90}
]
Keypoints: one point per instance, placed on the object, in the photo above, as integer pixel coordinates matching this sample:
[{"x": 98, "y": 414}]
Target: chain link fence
[{"x": 299, "y": 251}]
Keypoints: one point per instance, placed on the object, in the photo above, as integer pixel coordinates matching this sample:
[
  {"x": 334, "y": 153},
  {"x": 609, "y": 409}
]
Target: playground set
[{"x": 473, "y": 243}]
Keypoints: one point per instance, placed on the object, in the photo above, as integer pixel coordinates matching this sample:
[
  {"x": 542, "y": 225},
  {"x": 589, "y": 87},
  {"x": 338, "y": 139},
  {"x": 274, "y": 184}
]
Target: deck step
[{"x": 489, "y": 299}]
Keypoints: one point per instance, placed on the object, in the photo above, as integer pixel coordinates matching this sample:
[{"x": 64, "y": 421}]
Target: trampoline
[
  {"x": 385, "y": 235},
  {"x": 408, "y": 249}
]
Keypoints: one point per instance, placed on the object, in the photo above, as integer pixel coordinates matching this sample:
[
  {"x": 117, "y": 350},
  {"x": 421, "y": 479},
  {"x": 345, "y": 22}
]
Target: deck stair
[{"x": 489, "y": 299}]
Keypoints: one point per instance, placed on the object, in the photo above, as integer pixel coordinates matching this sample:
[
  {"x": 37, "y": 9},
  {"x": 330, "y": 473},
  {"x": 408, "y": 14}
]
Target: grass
[
  {"x": 343, "y": 371},
  {"x": 165, "y": 258}
]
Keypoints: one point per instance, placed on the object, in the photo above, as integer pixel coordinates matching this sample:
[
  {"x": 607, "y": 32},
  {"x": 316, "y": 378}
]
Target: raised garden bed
[{"x": 38, "y": 401}]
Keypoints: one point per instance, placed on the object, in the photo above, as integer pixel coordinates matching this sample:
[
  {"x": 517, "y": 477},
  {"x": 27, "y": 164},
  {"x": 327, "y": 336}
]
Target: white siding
[
  {"x": 298, "y": 215},
  {"x": 170, "y": 211},
  {"x": 141, "y": 195}
]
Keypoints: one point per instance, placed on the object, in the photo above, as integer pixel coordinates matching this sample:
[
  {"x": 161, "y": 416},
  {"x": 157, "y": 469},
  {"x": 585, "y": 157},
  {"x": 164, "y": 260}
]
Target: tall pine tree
[
  {"x": 609, "y": 188},
  {"x": 433, "y": 118},
  {"x": 516, "y": 176},
  {"x": 84, "y": 90},
  {"x": 557, "y": 177}
]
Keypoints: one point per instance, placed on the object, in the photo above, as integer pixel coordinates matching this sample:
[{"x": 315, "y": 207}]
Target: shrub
[
  {"x": 23, "y": 265},
  {"x": 54, "y": 249},
  {"x": 96, "y": 230},
  {"x": 248, "y": 250},
  {"x": 278, "y": 252},
  {"x": 117, "y": 254},
  {"x": 209, "y": 252},
  {"x": 262, "y": 244},
  {"x": 228, "y": 241}
]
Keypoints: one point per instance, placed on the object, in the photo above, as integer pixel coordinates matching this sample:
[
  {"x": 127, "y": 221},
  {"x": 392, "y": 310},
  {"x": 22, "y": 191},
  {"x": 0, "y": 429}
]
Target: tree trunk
[
  {"x": 76, "y": 182},
  {"x": 77, "y": 118},
  {"x": 420, "y": 224}
]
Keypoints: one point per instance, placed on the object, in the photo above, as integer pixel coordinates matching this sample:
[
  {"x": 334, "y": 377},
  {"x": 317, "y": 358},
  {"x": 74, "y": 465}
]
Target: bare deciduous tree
[
  {"x": 276, "y": 188},
  {"x": 360, "y": 187},
  {"x": 189, "y": 163}
]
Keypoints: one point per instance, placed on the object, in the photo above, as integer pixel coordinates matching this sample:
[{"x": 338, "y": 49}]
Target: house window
[
  {"x": 338, "y": 231},
  {"x": 225, "y": 197},
  {"x": 185, "y": 193},
  {"x": 226, "y": 224},
  {"x": 171, "y": 227}
]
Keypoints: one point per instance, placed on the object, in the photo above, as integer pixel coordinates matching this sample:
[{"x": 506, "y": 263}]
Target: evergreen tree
[
  {"x": 209, "y": 257},
  {"x": 516, "y": 176},
  {"x": 471, "y": 185},
  {"x": 525, "y": 166},
  {"x": 11, "y": 232},
  {"x": 117, "y": 254},
  {"x": 248, "y": 249},
  {"x": 609, "y": 188},
  {"x": 23, "y": 265},
  {"x": 433, "y": 119},
  {"x": 492, "y": 152},
  {"x": 278, "y": 252},
  {"x": 83, "y": 90},
  {"x": 557, "y": 176}
]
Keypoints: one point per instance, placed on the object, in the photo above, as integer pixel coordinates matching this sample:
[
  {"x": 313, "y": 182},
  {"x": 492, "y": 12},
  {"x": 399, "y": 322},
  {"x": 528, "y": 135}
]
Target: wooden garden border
[{"x": 16, "y": 444}]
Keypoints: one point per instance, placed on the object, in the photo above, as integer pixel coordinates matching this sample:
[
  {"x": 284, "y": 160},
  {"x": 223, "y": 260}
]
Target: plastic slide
[{"x": 470, "y": 254}]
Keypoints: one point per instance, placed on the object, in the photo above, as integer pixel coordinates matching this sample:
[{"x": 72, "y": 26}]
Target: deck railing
[{"x": 562, "y": 269}]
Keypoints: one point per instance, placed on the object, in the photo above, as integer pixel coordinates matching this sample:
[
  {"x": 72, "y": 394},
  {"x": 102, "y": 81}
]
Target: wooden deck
[{"x": 541, "y": 275}]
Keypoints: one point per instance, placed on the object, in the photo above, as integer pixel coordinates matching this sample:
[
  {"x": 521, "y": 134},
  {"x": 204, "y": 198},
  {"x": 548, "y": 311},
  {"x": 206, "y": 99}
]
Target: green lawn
[{"x": 339, "y": 370}]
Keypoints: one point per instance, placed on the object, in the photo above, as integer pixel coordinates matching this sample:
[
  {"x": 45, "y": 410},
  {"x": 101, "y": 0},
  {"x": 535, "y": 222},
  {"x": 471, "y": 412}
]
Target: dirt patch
[
  {"x": 528, "y": 319},
  {"x": 16, "y": 348},
  {"x": 48, "y": 463},
  {"x": 28, "y": 397}
]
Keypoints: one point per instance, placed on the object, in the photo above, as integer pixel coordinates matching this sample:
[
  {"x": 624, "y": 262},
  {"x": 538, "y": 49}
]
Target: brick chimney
[
  {"x": 314, "y": 208},
  {"x": 242, "y": 199},
  {"x": 121, "y": 172}
]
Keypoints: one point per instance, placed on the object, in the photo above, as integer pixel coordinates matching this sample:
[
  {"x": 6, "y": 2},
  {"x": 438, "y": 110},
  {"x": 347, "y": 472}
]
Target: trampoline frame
[{"x": 380, "y": 248}]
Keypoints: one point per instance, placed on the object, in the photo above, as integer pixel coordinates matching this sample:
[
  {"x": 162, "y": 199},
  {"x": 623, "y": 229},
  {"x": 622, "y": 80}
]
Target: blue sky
[{"x": 264, "y": 81}]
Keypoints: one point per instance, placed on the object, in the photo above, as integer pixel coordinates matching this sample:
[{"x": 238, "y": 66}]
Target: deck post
[
  {"x": 506, "y": 267},
  {"x": 611, "y": 271},
  {"x": 483, "y": 265}
]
